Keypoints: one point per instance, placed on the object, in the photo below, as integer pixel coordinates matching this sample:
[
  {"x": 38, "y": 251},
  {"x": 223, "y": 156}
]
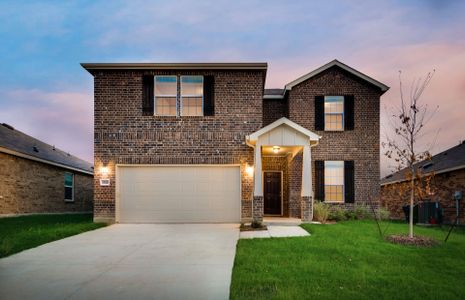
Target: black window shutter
[
  {"x": 349, "y": 179},
  {"x": 320, "y": 180},
  {"x": 319, "y": 113},
  {"x": 349, "y": 112},
  {"x": 208, "y": 95},
  {"x": 147, "y": 95}
]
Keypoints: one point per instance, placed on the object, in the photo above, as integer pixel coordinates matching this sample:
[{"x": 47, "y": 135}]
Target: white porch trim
[{"x": 283, "y": 132}]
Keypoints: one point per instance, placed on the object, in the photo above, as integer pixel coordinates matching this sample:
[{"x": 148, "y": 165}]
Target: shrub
[
  {"x": 383, "y": 213},
  {"x": 256, "y": 224},
  {"x": 320, "y": 211},
  {"x": 337, "y": 213},
  {"x": 363, "y": 212}
]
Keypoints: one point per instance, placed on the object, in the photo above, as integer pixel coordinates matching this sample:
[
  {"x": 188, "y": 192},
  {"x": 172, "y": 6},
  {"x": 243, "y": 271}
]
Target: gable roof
[
  {"x": 311, "y": 136},
  {"x": 337, "y": 63},
  {"x": 17, "y": 143},
  {"x": 446, "y": 161}
]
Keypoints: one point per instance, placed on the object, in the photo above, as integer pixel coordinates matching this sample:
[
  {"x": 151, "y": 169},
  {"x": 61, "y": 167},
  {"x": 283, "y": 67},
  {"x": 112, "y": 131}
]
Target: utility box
[{"x": 429, "y": 212}]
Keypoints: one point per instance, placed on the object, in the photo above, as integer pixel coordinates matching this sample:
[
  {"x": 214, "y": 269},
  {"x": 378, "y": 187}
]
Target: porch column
[
  {"x": 257, "y": 205},
  {"x": 307, "y": 190}
]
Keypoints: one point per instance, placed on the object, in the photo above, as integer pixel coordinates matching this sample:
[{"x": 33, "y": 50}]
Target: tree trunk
[{"x": 412, "y": 192}]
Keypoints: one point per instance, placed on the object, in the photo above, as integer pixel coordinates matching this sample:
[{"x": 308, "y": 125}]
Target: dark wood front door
[{"x": 272, "y": 193}]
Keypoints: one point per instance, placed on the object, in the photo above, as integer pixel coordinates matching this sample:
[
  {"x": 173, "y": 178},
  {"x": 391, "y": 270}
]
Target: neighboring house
[
  {"x": 448, "y": 169},
  {"x": 205, "y": 142},
  {"x": 38, "y": 178}
]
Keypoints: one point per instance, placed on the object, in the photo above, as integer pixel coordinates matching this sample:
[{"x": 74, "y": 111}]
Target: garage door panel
[{"x": 179, "y": 194}]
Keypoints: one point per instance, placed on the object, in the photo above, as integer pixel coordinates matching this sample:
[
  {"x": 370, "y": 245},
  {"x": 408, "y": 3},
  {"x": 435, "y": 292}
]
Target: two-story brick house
[{"x": 205, "y": 142}]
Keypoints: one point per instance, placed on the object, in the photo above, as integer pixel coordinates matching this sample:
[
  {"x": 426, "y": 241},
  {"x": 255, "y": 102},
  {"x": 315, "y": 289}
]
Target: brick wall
[
  {"x": 124, "y": 136},
  {"x": 444, "y": 185},
  {"x": 360, "y": 144},
  {"x": 295, "y": 184},
  {"x": 274, "y": 109},
  {"x": 28, "y": 186}
]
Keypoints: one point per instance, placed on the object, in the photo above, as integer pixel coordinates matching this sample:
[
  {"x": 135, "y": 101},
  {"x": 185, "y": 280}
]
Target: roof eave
[
  {"x": 175, "y": 66},
  {"x": 384, "y": 88},
  {"x": 436, "y": 172},
  {"x": 34, "y": 158}
]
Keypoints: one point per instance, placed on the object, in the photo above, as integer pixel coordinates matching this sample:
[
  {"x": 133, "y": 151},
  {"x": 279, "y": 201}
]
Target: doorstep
[{"x": 275, "y": 232}]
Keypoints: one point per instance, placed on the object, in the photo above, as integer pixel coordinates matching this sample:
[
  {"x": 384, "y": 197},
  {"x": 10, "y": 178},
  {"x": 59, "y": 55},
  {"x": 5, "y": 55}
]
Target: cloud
[
  {"x": 43, "y": 42},
  {"x": 63, "y": 119}
]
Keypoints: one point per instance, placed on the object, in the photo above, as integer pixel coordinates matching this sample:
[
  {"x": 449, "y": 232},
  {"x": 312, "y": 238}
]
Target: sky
[{"x": 45, "y": 93}]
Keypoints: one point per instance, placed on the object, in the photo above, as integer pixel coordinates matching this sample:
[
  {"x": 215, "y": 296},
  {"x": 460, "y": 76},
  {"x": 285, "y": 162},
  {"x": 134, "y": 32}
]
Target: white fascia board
[{"x": 312, "y": 136}]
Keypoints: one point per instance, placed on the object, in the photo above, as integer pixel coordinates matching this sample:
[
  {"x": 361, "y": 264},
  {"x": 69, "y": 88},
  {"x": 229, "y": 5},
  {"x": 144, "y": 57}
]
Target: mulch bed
[
  {"x": 249, "y": 227},
  {"x": 419, "y": 241}
]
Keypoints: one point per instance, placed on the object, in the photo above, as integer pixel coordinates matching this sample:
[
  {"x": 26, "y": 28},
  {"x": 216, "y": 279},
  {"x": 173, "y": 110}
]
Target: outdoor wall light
[
  {"x": 276, "y": 149},
  {"x": 249, "y": 169},
  {"x": 104, "y": 171}
]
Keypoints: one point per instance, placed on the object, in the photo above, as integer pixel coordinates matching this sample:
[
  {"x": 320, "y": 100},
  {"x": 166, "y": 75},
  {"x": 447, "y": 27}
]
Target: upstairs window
[
  {"x": 334, "y": 181},
  {"x": 165, "y": 95},
  {"x": 191, "y": 95},
  {"x": 334, "y": 113},
  {"x": 69, "y": 186}
]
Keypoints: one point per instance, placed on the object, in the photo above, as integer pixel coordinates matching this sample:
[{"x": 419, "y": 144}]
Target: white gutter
[{"x": 30, "y": 157}]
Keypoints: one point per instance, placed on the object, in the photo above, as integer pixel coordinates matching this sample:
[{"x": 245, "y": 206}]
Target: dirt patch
[{"x": 418, "y": 241}]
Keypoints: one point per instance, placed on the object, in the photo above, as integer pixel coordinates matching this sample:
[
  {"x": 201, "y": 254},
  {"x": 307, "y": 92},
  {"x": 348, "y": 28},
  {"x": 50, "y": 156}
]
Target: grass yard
[
  {"x": 20, "y": 233},
  {"x": 349, "y": 260}
]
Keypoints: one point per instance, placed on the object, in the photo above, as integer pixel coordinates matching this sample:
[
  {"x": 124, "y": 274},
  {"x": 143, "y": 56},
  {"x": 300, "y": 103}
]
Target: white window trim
[
  {"x": 72, "y": 187},
  {"x": 343, "y": 183},
  {"x": 181, "y": 96},
  {"x": 171, "y": 96},
  {"x": 325, "y": 113}
]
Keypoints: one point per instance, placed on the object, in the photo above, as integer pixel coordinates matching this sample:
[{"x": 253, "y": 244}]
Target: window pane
[
  {"x": 165, "y": 106},
  {"x": 334, "y": 181},
  {"x": 68, "y": 193},
  {"x": 192, "y": 85},
  {"x": 165, "y": 86},
  {"x": 334, "y": 113},
  {"x": 191, "y": 106},
  {"x": 68, "y": 179}
]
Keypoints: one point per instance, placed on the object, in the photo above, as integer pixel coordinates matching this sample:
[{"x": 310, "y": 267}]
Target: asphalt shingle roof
[
  {"x": 18, "y": 141},
  {"x": 450, "y": 158}
]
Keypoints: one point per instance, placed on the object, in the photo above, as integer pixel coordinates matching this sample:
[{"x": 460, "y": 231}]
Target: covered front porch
[{"x": 282, "y": 171}]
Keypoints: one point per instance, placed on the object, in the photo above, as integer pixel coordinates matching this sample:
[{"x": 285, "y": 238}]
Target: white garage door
[{"x": 178, "y": 194}]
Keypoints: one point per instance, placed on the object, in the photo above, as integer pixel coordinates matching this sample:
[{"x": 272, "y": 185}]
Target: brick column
[
  {"x": 307, "y": 208},
  {"x": 257, "y": 210}
]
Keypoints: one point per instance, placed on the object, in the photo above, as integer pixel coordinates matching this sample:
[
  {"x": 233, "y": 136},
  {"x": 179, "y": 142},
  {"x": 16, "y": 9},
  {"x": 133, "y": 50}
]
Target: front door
[{"x": 272, "y": 193}]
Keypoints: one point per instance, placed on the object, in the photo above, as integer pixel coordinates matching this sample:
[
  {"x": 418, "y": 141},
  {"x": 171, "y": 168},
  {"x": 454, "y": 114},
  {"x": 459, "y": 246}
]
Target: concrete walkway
[
  {"x": 137, "y": 261},
  {"x": 275, "y": 231}
]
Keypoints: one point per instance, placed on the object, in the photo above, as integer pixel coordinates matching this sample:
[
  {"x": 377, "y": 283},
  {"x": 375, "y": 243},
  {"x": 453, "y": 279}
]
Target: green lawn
[
  {"x": 349, "y": 260},
  {"x": 20, "y": 233}
]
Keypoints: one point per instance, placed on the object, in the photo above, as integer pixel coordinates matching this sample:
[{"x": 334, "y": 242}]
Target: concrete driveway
[{"x": 126, "y": 261}]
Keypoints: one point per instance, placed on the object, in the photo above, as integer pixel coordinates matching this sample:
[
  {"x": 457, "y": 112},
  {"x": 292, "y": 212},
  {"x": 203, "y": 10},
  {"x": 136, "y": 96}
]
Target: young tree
[{"x": 408, "y": 123}]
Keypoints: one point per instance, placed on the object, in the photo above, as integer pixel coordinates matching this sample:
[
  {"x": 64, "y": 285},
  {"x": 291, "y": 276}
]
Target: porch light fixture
[
  {"x": 104, "y": 171},
  {"x": 276, "y": 149},
  {"x": 249, "y": 169}
]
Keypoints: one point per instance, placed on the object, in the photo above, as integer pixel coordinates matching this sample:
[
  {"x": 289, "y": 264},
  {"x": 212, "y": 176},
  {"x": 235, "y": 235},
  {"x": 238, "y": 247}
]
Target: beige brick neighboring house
[
  {"x": 205, "y": 142},
  {"x": 448, "y": 168},
  {"x": 38, "y": 178}
]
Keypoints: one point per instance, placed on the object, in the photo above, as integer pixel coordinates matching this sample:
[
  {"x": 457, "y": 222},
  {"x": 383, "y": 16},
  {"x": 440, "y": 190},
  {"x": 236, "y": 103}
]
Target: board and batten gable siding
[
  {"x": 125, "y": 134},
  {"x": 360, "y": 144}
]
